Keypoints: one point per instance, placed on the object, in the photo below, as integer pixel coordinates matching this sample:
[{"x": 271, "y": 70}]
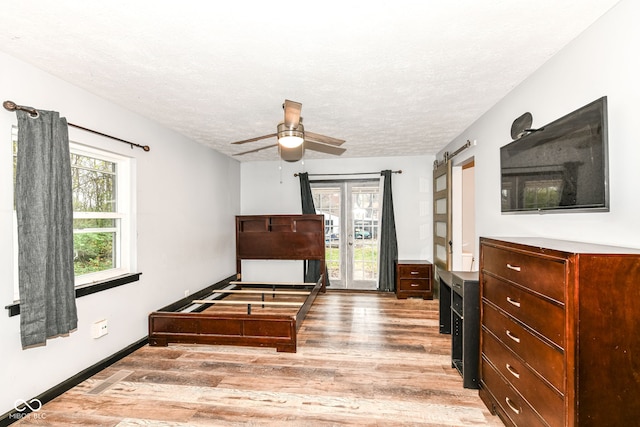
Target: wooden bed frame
[{"x": 239, "y": 314}]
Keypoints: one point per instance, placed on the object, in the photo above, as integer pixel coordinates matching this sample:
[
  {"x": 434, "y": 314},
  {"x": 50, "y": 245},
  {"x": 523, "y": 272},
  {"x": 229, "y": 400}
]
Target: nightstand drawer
[
  {"x": 414, "y": 284},
  {"x": 414, "y": 271}
]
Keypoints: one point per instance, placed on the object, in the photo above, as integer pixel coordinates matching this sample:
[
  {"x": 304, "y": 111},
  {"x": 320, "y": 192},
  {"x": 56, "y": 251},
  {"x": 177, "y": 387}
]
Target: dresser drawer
[
  {"x": 511, "y": 403},
  {"x": 407, "y": 271},
  {"x": 544, "y": 359},
  {"x": 541, "y": 275},
  {"x": 540, "y": 315},
  {"x": 414, "y": 284},
  {"x": 547, "y": 401}
]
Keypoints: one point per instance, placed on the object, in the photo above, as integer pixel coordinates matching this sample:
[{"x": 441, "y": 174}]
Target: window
[{"x": 102, "y": 214}]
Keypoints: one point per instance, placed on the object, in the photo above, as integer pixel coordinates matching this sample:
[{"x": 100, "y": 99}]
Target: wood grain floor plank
[{"x": 363, "y": 359}]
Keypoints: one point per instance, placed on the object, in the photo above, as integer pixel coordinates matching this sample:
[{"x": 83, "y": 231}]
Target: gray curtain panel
[
  {"x": 388, "y": 239},
  {"x": 312, "y": 268},
  {"x": 44, "y": 207}
]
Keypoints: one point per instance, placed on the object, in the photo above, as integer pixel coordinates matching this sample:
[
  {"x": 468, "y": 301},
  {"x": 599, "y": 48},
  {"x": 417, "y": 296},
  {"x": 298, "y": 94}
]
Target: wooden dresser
[
  {"x": 559, "y": 332},
  {"x": 414, "y": 279}
]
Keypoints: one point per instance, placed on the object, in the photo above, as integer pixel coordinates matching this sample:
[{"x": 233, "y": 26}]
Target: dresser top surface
[
  {"x": 414, "y": 261},
  {"x": 564, "y": 245}
]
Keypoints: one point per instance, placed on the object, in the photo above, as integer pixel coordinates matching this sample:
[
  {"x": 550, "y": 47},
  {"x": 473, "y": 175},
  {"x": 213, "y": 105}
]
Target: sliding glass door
[{"x": 352, "y": 214}]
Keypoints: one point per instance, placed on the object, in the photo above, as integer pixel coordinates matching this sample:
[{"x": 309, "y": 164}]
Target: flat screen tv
[{"x": 562, "y": 167}]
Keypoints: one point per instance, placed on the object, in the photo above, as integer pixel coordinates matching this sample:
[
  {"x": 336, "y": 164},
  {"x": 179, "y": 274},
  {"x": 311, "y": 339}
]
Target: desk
[
  {"x": 445, "y": 301},
  {"x": 460, "y": 316},
  {"x": 465, "y": 326}
]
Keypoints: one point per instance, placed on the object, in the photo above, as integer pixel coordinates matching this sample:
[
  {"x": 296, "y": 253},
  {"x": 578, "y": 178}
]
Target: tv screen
[{"x": 561, "y": 167}]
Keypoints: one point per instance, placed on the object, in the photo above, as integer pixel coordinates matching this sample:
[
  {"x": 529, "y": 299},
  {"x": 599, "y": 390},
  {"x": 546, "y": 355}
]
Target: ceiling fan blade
[
  {"x": 291, "y": 113},
  {"x": 316, "y": 137},
  {"x": 328, "y": 149},
  {"x": 257, "y": 138},
  {"x": 256, "y": 150}
]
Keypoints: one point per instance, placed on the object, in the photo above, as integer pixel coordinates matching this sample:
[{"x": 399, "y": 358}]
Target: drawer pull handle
[
  {"x": 513, "y": 407},
  {"x": 415, "y": 272},
  {"x": 513, "y": 267},
  {"x": 513, "y": 302},
  {"x": 415, "y": 285},
  {"x": 512, "y": 371},
  {"x": 513, "y": 337}
]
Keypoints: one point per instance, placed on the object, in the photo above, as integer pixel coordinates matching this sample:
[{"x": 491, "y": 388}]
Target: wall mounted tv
[{"x": 562, "y": 167}]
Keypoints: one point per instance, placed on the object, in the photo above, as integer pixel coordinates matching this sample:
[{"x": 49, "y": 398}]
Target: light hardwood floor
[{"x": 364, "y": 359}]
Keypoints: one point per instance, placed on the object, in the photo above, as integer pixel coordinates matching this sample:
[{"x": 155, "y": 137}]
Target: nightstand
[{"x": 414, "y": 278}]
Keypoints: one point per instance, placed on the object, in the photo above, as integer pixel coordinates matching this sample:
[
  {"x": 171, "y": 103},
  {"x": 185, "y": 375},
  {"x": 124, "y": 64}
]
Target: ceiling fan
[{"x": 293, "y": 140}]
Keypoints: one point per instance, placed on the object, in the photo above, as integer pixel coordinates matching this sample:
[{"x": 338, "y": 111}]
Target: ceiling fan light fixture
[
  {"x": 290, "y": 138},
  {"x": 291, "y": 154}
]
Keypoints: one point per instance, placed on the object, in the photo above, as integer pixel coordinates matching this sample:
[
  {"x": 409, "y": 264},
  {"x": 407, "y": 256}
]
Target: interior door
[
  {"x": 442, "y": 229},
  {"x": 352, "y": 214}
]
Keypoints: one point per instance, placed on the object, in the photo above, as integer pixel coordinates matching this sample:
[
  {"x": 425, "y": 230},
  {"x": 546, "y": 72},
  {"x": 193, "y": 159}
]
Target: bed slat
[
  {"x": 274, "y": 283},
  {"x": 244, "y": 302},
  {"x": 259, "y": 291}
]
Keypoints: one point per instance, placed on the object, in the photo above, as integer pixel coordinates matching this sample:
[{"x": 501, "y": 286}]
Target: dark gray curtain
[
  {"x": 388, "y": 240},
  {"x": 312, "y": 266},
  {"x": 44, "y": 208}
]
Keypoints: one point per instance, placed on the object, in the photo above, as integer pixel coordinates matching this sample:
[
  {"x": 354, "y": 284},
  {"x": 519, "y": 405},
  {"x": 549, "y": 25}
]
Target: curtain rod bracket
[{"x": 12, "y": 106}]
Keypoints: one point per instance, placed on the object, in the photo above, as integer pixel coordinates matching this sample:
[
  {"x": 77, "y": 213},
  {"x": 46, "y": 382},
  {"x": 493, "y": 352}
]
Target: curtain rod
[
  {"x": 12, "y": 106},
  {"x": 341, "y": 174}
]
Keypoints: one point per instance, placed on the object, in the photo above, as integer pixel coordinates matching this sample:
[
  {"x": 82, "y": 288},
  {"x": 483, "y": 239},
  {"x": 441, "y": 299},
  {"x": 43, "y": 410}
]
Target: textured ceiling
[{"x": 390, "y": 77}]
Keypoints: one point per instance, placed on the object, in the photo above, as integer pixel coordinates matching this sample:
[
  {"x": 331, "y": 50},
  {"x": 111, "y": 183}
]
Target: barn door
[{"x": 442, "y": 230}]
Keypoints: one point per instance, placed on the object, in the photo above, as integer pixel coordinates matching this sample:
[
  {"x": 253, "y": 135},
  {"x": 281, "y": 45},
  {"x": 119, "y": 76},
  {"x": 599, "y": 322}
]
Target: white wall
[
  {"x": 601, "y": 61},
  {"x": 271, "y": 188},
  {"x": 188, "y": 196}
]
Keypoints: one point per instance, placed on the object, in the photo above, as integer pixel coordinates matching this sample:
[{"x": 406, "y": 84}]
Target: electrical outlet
[
  {"x": 99, "y": 328},
  {"x": 186, "y": 292}
]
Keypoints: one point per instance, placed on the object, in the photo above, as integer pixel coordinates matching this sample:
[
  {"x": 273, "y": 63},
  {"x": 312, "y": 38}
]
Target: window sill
[{"x": 88, "y": 289}]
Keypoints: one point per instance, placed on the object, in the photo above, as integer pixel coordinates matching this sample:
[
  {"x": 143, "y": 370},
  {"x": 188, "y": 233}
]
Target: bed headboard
[{"x": 284, "y": 237}]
